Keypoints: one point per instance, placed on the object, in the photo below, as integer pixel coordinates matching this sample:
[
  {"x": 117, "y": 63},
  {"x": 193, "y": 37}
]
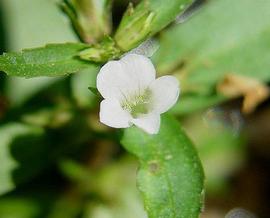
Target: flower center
[{"x": 138, "y": 104}]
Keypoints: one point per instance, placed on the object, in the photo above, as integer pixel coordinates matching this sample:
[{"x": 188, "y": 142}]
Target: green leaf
[
  {"x": 11, "y": 155},
  {"x": 226, "y": 36},
  {"x": 148, "y": 18},
  {"x": 16, "y": 14},
  {"x": 170, "y": 176},
  {"x": 51, "y": 60}
]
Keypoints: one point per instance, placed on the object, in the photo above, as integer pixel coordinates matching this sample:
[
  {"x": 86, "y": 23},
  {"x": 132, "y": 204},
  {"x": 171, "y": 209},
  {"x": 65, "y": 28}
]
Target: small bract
[{"x": 133, "y": 95}]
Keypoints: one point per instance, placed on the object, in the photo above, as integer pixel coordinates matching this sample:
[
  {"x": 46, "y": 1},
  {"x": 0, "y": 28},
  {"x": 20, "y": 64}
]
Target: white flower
[{"x": 133, "y": 95}]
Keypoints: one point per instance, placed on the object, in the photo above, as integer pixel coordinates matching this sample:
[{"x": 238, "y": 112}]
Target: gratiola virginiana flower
[{"x": 133, "y": 95}]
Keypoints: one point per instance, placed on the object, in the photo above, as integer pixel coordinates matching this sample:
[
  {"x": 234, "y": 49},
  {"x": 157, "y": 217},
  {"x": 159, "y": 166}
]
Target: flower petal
[
  {"x": 140, "y": 67},
  {"x": 112, "y": 114},
  {"x": 149, "y": 123},
  {"x": 119, "y": 79},
  {"x": 165, "y": 92}
]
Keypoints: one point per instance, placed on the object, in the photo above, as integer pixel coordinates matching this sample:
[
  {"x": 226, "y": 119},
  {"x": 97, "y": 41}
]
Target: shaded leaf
[
  {"x": 170, "y": 176},
  {"x": 10, "y": 156}
]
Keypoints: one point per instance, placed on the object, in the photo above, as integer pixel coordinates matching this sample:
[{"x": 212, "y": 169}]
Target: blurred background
[{"x": 58, "y": 161}]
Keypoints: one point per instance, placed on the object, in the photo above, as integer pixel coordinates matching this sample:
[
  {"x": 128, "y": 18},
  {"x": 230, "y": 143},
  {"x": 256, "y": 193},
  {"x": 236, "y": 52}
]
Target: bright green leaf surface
[
  {"x": 52, "y": 60},
  {"x": 170, "y": 177},
  {"x": 9, "y": 164},
  {"x": 226, "y": 36}
]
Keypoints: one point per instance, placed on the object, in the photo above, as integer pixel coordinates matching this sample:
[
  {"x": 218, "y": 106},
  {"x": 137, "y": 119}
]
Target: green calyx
[
  {"x": 102, "y": 52},
  {"x": 91, "y": 19},
  {"x": 138, "y": 104},
  {"x": 135, "y": 27}
]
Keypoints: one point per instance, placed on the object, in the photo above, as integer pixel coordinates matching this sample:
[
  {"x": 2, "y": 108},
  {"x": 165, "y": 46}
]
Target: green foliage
[
  {"x": 16, "y": 14},
  {"x": 170, "y": 176},
  {"x": 15, "y": 155},
  {"x": 192, "y": 103},
  {"x": 149, "y": 17},
  {"x": 223, "y": 151},
  {"x": 52, "y": 60},
  {"x": 80, "y": 83},
  {"x": 27, "y": 150},
  {"x": 18, "y": 208},
  {"x": 91, "y": 19},
  {"x": 26, "y": 88},
  {"x": 102, "y": 52},
  {"x": 226, "y": 36},
  {"x": 219, "y": 45},
  {"x": 213, "y": 43},
  {"x": 50, "y": 27}
]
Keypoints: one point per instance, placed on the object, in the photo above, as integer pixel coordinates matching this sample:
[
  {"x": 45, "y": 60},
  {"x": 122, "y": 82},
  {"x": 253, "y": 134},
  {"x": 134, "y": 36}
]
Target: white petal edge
[
  {"x": 128, "y": 76},
  {"x": 150, "y": 123},
  {"x": 112, "y": 81},
  {"x": 165, "y": 92},
  {"x": 112, "y": 114}
]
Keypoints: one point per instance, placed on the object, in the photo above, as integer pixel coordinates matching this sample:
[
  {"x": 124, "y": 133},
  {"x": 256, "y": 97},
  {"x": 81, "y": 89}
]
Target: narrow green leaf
[
  {"x": 170, "y": 176},
  {"x": 51, "y": 60}
]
